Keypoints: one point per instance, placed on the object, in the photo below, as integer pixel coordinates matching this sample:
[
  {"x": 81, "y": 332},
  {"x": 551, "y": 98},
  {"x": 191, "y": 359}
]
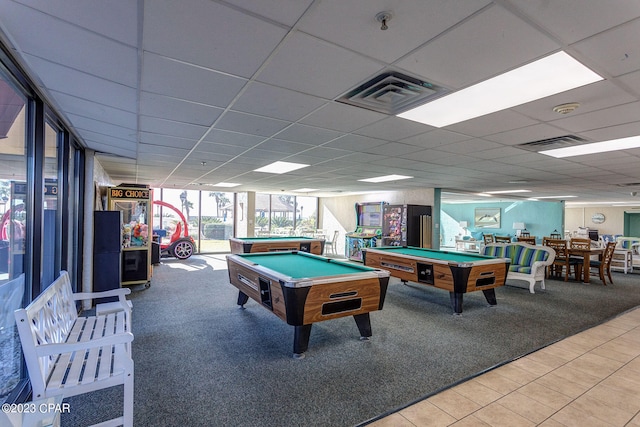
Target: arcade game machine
[
  {"x": 134, "y": 203},
  {"x": 368, "y": 230},
  {"x": 406, "y": 225}
]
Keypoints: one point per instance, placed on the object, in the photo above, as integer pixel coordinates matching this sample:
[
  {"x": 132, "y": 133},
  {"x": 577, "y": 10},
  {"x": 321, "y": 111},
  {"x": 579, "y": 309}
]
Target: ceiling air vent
[
  {"x": 551, "y": 143},
  {"x": 392, "y": 93}
]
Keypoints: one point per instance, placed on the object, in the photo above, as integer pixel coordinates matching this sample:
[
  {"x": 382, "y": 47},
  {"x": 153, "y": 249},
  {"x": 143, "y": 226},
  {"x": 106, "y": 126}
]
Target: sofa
[{"x": 528, "y": 262}]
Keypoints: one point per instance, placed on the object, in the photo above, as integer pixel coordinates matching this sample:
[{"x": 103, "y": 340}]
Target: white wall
[
  {"x": 338, "y": 213},
  {"x": 581, "y": 217}
]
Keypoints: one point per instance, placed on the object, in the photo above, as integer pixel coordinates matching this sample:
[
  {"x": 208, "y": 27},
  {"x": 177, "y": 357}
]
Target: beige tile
[
  {"x": 635, "y": 422},
  {"x": 499, "y": 416},
  {"x": 527, "y": 407},
  {"x": 577, "y": 376},
  {"x": 573, "y": 417},
  {"x": 601, "y": 410},
  {"x": 533, "y": 366},
  {"x": 498, "y": 382},
  {"x": 545, "y": 395},
  {"x": 574, "y": 345},
  {"x": 454, "y": 404},
  {"x": 516, "y": 374},
  {"x": 625, "y": 402},
  {"x": 633, "y": 365},
  {"x": 393, "y": 420},
  {"x": 563, "y": 350},
  {"x": 470, "y": 421},
  {"x": 608, "y": 331},
  {"x": 427, "y": 414},
  {"x": 585, "y": 340},
  {"x": 624, "y": 383},
  {"x": 595, "y": 365},
  {"x": 562, "y": 385},
  {"x": 477, "y": 392},
  {"x": 547, "y": 358},
  {"x": 551, "y": 423},
  {"x": 618, "y": 350}
]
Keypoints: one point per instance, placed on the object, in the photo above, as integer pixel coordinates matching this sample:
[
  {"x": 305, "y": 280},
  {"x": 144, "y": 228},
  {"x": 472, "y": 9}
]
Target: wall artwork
[{"x": 487, "y": 218}]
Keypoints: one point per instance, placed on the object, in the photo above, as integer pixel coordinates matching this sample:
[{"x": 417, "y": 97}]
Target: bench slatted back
[{"x": 47, "y": 320}]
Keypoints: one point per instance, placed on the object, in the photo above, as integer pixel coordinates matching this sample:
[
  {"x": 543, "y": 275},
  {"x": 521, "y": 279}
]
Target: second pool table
[
  {"x": 241, "y": 245},
  {"x": 455, "y": 272},
  {"x": 302, "y": 289}
]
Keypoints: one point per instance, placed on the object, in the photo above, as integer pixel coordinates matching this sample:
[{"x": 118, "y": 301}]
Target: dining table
[{"x": 585, "y": 254}]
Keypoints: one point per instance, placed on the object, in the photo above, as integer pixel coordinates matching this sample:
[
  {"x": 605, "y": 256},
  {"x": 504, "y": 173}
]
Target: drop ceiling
[{"x": 190, "y": 93}]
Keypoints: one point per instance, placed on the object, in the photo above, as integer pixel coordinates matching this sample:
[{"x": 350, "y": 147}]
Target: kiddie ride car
[{"x": 180, "y": 244}]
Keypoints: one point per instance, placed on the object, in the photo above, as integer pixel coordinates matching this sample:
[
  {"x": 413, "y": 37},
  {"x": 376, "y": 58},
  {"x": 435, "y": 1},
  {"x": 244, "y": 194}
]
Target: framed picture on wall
[{"x": 487, "y": 218}]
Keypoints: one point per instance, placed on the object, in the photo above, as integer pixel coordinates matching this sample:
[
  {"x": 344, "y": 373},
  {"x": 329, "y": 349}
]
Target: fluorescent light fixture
[
  {"x": 225, "y": 184},
  {"x": 281, "y": 167},
  {"x": 507, "y": 191},
  {"x": 596, "y": 147},
  {"x": 555, "y": 197},
  {"x": 553, "y": 74},
  {"x": 386, "y": 178},
  {"x": 305, "y": 190}
]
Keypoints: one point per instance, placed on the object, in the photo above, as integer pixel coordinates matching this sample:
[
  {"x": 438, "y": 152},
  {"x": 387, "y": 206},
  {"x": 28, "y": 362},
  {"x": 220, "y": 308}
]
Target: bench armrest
[
  {"x": 119, "y": 292},
  {"x": 51, "y": 349}
]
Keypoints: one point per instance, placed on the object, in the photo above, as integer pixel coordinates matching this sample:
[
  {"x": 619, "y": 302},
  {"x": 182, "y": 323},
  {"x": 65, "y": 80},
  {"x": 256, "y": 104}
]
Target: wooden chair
[
  {"x": 502, "y": 239},
  {"x": 530, "y": 240},
  {"x": 580, "y": 243},
  {"x": 562, "y": 261},
  {"x": 488, "y": 238},
  {"x": 604, "y": 265}
]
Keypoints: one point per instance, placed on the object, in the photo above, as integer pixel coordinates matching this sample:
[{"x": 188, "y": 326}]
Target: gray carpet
[{"x": 202, "y": 361}]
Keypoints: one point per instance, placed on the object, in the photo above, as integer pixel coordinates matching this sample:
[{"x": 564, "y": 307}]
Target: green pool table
[
  {"x": 302, "y": 289},
  {"x": 241, "y": 245},
  {"x": 456, "y": 272}
]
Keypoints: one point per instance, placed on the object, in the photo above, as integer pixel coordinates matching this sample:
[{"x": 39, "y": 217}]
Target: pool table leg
[
  {"x": 301, "y": 340},
  {"x": 456, "y": 301},
  {"x": 364, "y": 325},
  {"x": 490, "y": 295},
  {"x": 242, "y": 299}
]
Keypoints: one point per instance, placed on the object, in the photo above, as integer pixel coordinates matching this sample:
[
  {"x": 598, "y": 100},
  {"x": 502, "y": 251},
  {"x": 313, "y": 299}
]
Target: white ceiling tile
[
  {"x": 353, "y": 24},
  {"x": 164, "y": 107},
  {"x": 494, "y": 40},
  {"x": 342, "y": 117},
  {"x": 296, "y": 66},
  {"x": 168, "y": 77},
  {"x": 171, "y": 128},
  {"x": 271, "y": 101},
  {"x": 616, "y": 51},
  {"x": 308, "y": 134},
  {"x": 250, "y": 124},
  {"x": 205, "y": 32}
]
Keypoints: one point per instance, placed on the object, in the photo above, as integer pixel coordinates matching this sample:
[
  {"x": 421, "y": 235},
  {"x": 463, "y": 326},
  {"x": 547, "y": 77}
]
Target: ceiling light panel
[
  {"x": 550, "y": 75},
  {"x": 386, "y": 178},
  {"x": 281, "y": 167},
  {"x": 594, "y": 148}
]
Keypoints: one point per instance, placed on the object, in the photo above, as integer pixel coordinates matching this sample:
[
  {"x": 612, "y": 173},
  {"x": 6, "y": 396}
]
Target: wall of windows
[
  {"x": 209, "y": 215},
  {"x": 283, "y": 214},
  {"x": 40, "y": 170}
]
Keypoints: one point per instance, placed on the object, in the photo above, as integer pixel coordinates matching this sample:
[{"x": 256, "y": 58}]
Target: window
[{"x": 13, "y": 232}]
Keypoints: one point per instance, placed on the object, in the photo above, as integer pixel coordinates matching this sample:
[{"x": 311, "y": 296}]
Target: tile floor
[{"x": 589, "y": 379}]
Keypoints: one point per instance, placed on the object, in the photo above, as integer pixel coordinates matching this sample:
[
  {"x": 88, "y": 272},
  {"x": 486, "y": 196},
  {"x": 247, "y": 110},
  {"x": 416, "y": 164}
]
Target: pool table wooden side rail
[{"x": 239, "y": 247}]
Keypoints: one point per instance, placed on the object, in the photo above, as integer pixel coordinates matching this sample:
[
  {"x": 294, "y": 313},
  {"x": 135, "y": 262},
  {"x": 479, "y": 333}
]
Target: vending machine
[
  {"x": 406, "y": 225},
  {"x": 368, "y": 230}
]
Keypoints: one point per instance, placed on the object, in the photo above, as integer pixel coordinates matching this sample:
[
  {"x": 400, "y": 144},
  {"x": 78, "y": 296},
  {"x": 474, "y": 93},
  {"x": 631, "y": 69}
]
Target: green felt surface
[
  {"x": 433, "y": 254},
  {"x": 299, "y": 265}
]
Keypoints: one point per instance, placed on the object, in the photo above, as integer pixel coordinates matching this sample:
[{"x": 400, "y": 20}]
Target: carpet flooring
[{"x": 202, "y": 361}]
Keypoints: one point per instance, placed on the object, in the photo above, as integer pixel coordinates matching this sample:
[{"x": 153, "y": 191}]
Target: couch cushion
[
  {"x": 498, "y": 251},
  {"x": 526, "y": 269},
  {"x": 527, "y": 256}
]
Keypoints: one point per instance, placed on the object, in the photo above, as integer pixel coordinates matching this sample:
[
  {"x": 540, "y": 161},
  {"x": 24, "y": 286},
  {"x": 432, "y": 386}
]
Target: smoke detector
[{"x": 566, "y": 108}]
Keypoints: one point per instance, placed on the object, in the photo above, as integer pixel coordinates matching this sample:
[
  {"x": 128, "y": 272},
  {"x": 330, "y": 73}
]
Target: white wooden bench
[{"x": 69, "y": 355}]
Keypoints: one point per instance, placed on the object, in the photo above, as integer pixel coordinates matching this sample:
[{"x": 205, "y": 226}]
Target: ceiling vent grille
[
  {"x": 392, "y": 93},
  {"x": 551, "y": 143}
]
